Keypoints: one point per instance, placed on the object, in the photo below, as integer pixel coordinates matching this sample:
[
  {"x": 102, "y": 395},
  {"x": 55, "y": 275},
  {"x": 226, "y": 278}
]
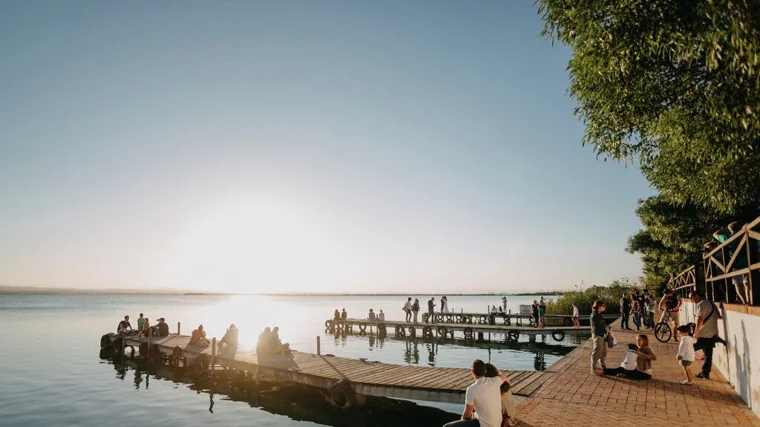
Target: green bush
[{"x": 585, "y": 298}]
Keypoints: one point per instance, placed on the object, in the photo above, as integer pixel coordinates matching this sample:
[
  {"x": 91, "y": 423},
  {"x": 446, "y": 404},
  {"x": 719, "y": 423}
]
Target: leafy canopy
[{"x": 673, "y": 84}]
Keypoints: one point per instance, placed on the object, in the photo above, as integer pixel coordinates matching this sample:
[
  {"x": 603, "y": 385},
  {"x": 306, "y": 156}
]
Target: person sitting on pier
[
  {"x": 494, "y": 310},
  {"x": 336, "y": 316},
  {"x": 145, "y": 330},
  {"x": 124, "y": 326},
  {"x": 482, "y": 399},
  {"x": 344, "y": 315},
  {"x": 371, "y": 316},
  {"x": 140, "y": 322},
  {"x": 501, "y": 311},
  {"x": 198, "y": 337},
  {"x": 381, "y": 316},
  {"x": 230, "y": 340},
  {"x": 263, "y": 346},
  {"x": 638, "y": 361},
  {"x": 162, "y": 329},
  {"x": 508, "y": 405},
  {"x": 278, "y": 347}
]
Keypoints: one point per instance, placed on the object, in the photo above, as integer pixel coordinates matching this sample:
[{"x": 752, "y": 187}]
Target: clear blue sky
[{"x": 424, "y": 146}]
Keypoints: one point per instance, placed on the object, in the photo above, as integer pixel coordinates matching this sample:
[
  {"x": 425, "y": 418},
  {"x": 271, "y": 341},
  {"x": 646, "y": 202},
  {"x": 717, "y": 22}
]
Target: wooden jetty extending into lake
[
  {"x": 476, "y": 328},
  {"x": 344, "y": 381}
]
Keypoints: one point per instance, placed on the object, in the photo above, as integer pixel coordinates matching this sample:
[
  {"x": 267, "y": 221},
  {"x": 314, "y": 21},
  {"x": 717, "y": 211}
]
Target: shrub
[{"x": 584, "y": 299}]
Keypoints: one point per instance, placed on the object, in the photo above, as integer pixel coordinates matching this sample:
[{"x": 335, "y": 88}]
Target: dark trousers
[
  {"x": 431, "y": 313},
  {"x": 473, "y": 422},
  {"x": 706, "y": 345},
  {"x": 624, "y": 321},
  {"x": 408, "y": 315},
  {"x": 634, "y": 374}
]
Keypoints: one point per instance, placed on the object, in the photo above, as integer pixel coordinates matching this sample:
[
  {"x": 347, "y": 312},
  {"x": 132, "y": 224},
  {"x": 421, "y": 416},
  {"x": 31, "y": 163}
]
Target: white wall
[{"x": 740, "y": 362}]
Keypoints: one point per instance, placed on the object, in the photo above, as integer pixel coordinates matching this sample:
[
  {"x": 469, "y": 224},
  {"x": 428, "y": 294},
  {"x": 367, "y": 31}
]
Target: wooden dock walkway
[
  {"x": 365, "y": 377},
  {"x": 446, "y": 330}
]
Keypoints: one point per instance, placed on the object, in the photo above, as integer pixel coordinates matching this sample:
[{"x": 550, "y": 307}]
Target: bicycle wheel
[{"x": 662, "y": 332}]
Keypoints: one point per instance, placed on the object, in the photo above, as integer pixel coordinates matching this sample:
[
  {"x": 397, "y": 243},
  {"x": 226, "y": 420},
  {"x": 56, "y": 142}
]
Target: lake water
[{"x": 51, "y": 375}]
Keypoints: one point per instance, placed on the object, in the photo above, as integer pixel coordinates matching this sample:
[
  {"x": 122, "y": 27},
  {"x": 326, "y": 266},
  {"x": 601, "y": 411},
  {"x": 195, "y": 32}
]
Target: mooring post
[
  {"x": 213, "y": 356},
  {"x": 319, "y": 347},
  {"x": 178, "y": 325},
  {"x": 149, "y": 335}
]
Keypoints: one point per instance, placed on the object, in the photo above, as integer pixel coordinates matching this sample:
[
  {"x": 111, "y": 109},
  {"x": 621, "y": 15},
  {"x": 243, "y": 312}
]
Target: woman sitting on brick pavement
[
  {"x": 638, "y": 362},
  {"x": 508, "y": 406}
]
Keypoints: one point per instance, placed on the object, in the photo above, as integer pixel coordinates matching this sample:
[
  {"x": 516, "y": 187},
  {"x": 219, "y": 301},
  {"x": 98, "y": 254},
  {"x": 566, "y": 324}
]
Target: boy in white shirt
[{"x": 686, "y": 351}]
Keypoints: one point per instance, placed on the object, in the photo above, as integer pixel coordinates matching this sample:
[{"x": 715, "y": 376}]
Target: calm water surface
[{"x": 51, "y": 374}]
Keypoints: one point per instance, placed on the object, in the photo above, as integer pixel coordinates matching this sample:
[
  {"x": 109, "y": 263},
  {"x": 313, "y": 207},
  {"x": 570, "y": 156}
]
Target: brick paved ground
[{"x": 576, "y": 397}]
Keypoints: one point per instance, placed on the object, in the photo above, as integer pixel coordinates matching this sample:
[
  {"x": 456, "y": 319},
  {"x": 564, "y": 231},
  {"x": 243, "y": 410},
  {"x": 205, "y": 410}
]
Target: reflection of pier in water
[
  {"x": 299, "y": 403},
  {"x": 537, "y": 345}
]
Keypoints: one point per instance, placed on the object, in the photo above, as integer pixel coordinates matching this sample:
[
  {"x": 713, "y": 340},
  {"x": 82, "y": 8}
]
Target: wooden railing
[
  {"x": 730, "y": 272},
  {"x": 685, "y": 282}
]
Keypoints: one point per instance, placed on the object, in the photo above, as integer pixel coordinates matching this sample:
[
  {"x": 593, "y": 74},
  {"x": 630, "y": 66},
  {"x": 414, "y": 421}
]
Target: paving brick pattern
[{"x": 576, "y": 397}]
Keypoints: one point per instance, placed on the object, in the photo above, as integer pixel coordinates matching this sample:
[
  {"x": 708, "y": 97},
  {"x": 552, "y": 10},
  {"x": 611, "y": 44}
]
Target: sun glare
[{"x": 253, "y": 248}]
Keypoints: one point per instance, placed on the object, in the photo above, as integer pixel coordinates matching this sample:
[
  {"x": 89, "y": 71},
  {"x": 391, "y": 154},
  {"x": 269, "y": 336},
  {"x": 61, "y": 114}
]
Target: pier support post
[
  {"x": 319, "y": 347},
  {"x": 178, "y": 325},
  {"x": 213, "y": 357}
]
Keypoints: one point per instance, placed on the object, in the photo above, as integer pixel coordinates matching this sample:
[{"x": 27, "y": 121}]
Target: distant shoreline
[{"x": 14, "y": 290}]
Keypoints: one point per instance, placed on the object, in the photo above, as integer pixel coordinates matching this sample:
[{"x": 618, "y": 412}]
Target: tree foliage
[{"x": 672, "y": 84}]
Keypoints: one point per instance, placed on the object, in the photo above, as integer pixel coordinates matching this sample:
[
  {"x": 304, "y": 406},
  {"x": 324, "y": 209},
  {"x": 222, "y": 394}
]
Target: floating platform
[{"x": 343, "y": 380}]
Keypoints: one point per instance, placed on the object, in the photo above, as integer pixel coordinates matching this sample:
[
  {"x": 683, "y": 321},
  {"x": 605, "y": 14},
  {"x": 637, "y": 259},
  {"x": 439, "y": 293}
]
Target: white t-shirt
[
  {"x": 629, "y": 363},
  {"x": 485, "y": 394},
  {"x": 381, "y": 316},
  {"x": 575, "y": 311},
  {"x": 686, "y": 348}
]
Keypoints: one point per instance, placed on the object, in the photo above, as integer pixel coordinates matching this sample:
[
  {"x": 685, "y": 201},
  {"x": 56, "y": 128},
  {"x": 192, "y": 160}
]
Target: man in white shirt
[{"x": 482, "y": 400}]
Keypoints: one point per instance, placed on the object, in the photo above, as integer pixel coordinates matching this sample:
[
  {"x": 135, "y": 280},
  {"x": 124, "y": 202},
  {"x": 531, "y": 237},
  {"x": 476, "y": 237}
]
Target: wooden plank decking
[{"x": 367, "y": 377}]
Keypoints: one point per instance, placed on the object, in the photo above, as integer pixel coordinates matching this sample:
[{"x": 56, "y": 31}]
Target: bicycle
[{"x": 662, "y": 331}]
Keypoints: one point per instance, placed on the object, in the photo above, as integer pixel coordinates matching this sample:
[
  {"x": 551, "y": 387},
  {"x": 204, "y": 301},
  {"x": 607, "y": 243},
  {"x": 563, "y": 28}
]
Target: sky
[{"x": 299, "y": 146}]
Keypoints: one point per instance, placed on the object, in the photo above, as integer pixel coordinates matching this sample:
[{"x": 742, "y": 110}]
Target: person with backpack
[{"x": 706, "y": 331}]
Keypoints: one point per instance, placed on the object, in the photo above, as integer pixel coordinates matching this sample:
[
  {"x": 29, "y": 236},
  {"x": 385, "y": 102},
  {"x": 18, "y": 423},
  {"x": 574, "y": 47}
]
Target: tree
[{"x": 674, "y": 85}]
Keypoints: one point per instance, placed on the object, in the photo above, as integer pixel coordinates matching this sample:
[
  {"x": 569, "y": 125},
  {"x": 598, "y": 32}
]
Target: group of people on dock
[
  {"x": 539, "y": 312},
  {"x": 640, "y": 308},
  {"x": 375, "y": 317},
  {"x": 269, "y": 343},
  {"x": 695, "y": 342},
  {"x": 488, "y": 401},
  {"x": 412, "y": 309},
  {"x": 144, "y": 329}
]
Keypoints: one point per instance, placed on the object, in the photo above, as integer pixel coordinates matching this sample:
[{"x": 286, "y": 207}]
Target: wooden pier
[
  {"x": 344, "y": 381},
  {"x": 470, "y": 331}
]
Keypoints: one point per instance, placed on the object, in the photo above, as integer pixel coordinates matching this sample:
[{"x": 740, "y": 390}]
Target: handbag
[{"x": 611, "y": 341}]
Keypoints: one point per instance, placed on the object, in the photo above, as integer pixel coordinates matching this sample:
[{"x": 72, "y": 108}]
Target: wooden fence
[{"x": 730, "y": 272}]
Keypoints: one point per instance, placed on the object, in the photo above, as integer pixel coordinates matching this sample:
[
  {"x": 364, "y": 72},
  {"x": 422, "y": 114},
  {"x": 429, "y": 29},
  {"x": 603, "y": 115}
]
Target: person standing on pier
[
  {"x": 416, "y": 308},
  {"x": 504, "y": 303},
  {"x": 408, "y": 309},
  {"x": 598, "y": 331},
  {"x": 431, "y": 310},
  {"x": 576, "y": 315},
  {"x": 482, "y": 401},
  {"x": 444, "y": 304}
]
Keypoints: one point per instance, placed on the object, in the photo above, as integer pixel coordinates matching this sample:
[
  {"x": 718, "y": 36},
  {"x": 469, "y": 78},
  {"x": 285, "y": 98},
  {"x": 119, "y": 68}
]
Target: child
[
  {"x": 629, "y": 363},
  {"x": 686, "y": 351}
]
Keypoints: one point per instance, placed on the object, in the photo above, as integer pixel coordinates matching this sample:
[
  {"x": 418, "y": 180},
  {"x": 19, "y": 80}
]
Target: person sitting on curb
[{"x": 638, "y": 361}]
